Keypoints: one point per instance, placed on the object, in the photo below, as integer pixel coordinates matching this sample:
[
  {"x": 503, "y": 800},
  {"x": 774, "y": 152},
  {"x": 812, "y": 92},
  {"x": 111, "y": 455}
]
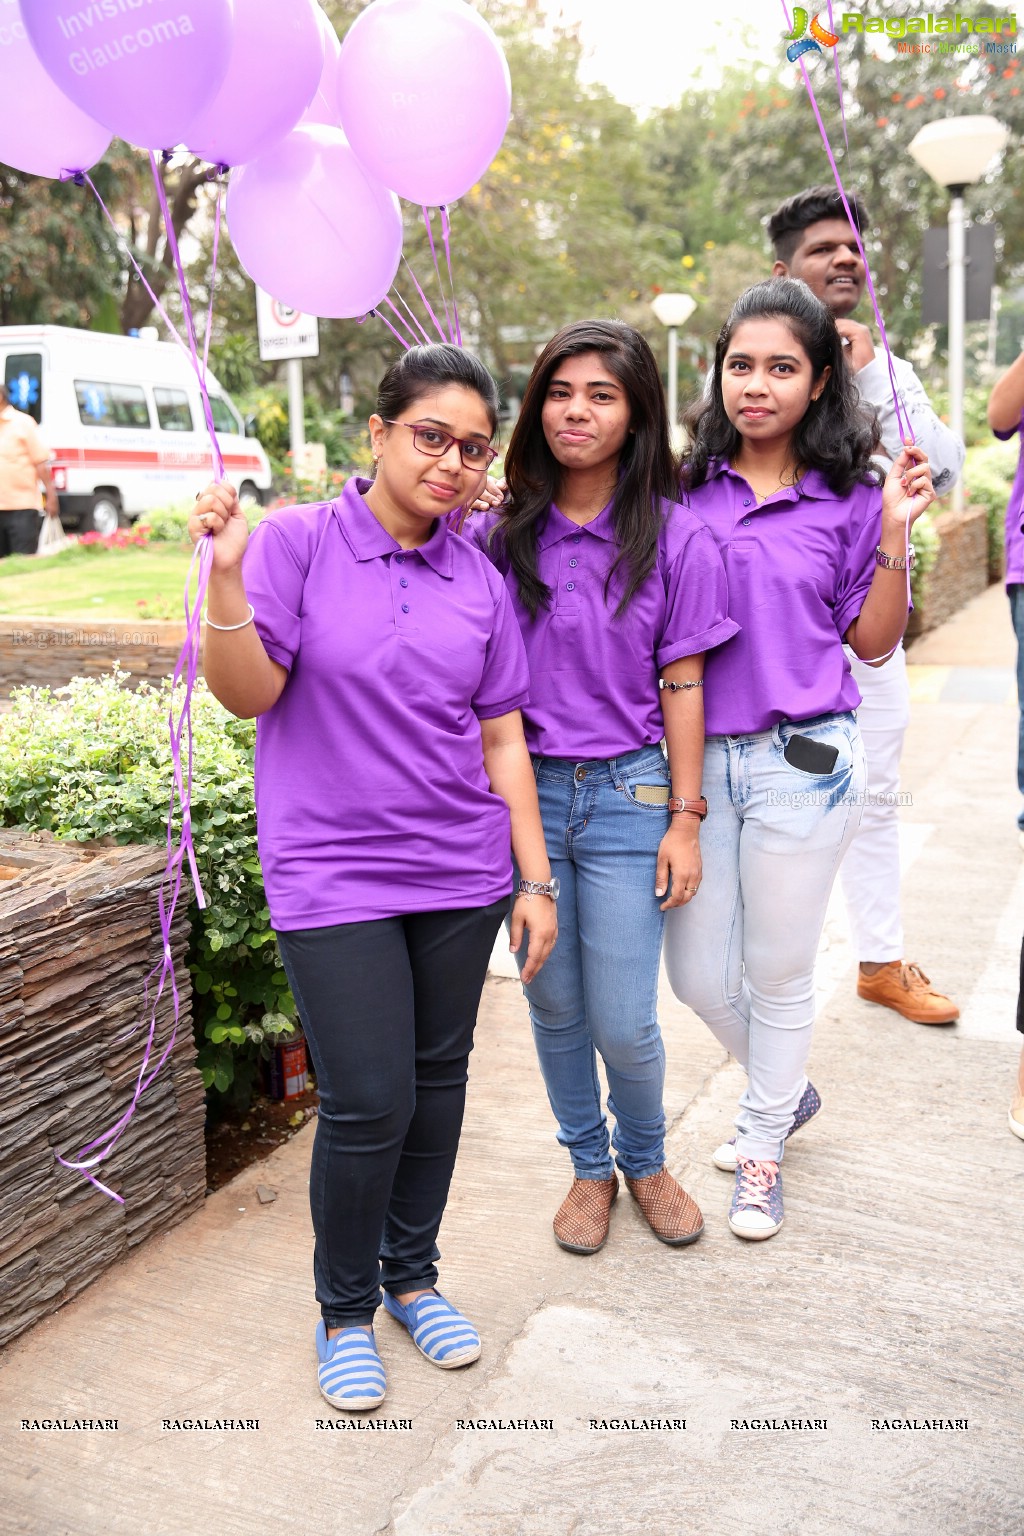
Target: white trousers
[
  {"x": 742, "y": 953},
  {"x": 870, "y": 871}
]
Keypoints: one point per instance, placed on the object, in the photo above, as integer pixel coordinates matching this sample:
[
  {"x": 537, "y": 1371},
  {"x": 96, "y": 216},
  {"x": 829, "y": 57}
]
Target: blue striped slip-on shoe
[
  {"x": 724, "y": 1157},
  {"x": 446, "y": 1337},
  {"x": 350, "y": 1373}
]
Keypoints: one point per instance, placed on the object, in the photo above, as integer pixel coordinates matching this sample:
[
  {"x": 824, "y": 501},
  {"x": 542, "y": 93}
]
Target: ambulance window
[
  {"x": 173, "y": 411},
  {"x": 111, "y": 405},
  {"x": 224, "y": 419},
  {"x": 23, "y": 376}
]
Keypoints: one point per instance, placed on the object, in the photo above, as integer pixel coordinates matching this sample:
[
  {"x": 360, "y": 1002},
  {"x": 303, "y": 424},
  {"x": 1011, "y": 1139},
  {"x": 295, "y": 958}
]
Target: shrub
[
  {"x": 925, "y": 538},
  {"x": 93, "y": 760},
  {"x": 169, "y": 525},
  {"x": 988, "y": 480}
]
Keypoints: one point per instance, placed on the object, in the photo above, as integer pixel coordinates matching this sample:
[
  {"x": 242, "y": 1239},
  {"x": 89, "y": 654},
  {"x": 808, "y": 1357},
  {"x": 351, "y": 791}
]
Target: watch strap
[{"x": 679, "y": 807}]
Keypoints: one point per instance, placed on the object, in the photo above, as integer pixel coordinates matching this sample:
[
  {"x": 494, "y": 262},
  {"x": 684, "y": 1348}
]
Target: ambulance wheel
[
  {"x": 248, "y": 495},
  {"x": 105, "y": 515}
]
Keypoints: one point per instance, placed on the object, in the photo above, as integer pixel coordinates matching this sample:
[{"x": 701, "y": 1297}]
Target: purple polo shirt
[
  {"x": 1014, "y": 541},
  {"x": 593, "y": 673},
  {"x": 371, "y": 795},
  {"x": 799, "y": 568}
]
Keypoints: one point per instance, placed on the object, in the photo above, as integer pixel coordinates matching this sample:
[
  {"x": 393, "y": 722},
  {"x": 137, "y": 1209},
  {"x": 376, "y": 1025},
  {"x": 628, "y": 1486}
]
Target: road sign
[{"x": 284, "y": 332}]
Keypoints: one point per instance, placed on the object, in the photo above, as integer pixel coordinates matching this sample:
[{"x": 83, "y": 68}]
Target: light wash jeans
[
  {"x": 598, "y": 990},
  {"x": 870, "y": 874},
  {"x": 1015, "y": 592},
  {"x": 741, "y": 954}
]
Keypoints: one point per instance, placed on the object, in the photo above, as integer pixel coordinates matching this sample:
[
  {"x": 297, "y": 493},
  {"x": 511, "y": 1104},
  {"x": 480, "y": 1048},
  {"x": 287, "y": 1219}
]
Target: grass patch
[{"x": 87, "y": 583}]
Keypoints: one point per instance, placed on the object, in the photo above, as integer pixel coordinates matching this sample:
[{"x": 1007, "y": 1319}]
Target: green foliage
[
  {"x": 988, "y": 480},
  {"x": 169, "y": 525},
  {"x": 93, "y": 760},
  {"x": 926, "y": 541},
  {"x": 235, "y": 359}
]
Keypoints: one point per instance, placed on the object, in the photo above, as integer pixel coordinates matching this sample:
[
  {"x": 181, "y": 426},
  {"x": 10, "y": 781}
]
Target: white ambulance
[{"x": 123, "y": 419}]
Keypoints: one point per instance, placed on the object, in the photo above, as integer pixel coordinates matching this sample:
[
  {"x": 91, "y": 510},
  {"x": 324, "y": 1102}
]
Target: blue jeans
[
  {"x": 1015, "y": 592},
  {"x": 599, "y": 988},
  {"x": 741, "y": 953}
]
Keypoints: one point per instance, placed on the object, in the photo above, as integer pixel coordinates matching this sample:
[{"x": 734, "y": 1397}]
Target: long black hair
[
  {"x": 647, "y": 468},
  {"x": 422, "y": 369},
  {"x": 837, "y": 435}
]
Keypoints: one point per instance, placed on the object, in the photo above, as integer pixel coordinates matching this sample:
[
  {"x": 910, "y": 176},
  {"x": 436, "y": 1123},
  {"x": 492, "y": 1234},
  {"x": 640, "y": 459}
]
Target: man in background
[
  {"x": 814, "y": 241},
  {"x": 24, "y": 464}
]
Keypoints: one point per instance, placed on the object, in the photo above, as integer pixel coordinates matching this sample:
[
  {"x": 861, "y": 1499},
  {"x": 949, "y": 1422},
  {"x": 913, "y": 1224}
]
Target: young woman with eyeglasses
[
  {"x": 382, "y": 658},
  {"x": 618, "y": 590}
]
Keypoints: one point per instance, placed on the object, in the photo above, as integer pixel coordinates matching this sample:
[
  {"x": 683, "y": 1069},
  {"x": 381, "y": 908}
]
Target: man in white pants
[{"x": 813, "y": 240}]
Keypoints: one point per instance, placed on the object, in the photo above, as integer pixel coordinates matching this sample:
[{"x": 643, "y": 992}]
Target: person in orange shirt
[{"x": 24, "y": 464}]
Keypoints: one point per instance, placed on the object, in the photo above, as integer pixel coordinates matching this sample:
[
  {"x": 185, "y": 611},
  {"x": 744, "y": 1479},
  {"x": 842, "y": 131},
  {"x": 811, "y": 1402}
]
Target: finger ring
[
  {"x": 205, "y": 519},
  {"x": 691, "y": 888}
]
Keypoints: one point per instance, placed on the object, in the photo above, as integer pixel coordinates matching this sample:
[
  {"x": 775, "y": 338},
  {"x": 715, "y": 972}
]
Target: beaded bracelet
[{"x": 675, "y": 687}]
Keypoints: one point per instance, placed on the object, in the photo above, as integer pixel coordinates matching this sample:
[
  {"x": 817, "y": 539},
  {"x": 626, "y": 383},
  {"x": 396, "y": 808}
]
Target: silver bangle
[
  {"x": 252, "y": 614},
  {"x": 676, "y": 687}
]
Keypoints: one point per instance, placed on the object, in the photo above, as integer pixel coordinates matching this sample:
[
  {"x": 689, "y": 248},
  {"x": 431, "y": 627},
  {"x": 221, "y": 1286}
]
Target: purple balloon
[
  {"x": 324, "y": 106},
  {"x": 277, "y": 58},
  {"x": 425, "y": 96},
  {"x": 41, "y": 131},
  {"x": 312, "y": 228},
  {"x": 143, "y": 68}
]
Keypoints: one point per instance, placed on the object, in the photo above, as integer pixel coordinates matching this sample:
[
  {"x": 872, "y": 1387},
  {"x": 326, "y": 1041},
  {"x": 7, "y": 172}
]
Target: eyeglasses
[{"x": 435, "y": 444}]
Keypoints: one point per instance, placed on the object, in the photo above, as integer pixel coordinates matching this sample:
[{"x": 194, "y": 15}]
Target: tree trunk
[{"x": 156, "y": 259}]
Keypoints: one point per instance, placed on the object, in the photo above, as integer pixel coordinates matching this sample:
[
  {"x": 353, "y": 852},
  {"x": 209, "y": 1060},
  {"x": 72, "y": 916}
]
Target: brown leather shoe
[
  {"x": 907, "y": 989},
  {"x": 581, "y": 1223},
  {"x": 668, "y": 1209}
]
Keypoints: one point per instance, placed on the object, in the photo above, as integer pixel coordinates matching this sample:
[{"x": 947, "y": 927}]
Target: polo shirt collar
[
  {"x": 813, "y": 483},
  {"x": 558, "y": 527},
  {"x": 369, "y": 540}
]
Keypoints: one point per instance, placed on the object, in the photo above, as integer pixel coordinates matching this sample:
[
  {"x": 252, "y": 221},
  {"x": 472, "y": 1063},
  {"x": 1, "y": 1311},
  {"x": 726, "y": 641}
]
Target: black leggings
[{"x": 388, "y": 1008}]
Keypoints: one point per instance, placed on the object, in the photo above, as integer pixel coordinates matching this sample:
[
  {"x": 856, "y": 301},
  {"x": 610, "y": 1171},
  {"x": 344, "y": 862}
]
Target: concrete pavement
[{"x": 891, "y": 1295}]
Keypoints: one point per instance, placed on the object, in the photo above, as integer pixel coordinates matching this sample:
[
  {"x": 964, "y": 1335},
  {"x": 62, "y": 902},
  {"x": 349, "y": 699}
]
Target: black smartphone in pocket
[{"x": 810, "y": 756}]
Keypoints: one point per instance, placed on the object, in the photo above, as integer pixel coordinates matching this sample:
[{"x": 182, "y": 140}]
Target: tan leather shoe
[
  {"x": 581, "y": 1222},
  {"x": 670, "y": 1213},
  {"x": 907, "y": 989}
]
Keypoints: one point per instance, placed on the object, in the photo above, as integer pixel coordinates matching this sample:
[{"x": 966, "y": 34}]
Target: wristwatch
[
  {"x": 695, "y": 807},
  {"x": 896, "y": 562},
  {"x": 540, "y": 888}
]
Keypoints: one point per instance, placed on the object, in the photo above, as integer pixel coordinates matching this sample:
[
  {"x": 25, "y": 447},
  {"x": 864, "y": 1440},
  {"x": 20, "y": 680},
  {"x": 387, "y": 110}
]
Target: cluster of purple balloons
[{"x": 320, "y": 136}]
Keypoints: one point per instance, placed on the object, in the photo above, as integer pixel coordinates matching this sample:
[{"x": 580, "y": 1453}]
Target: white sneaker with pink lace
[{"x": 756, "y": 1210}]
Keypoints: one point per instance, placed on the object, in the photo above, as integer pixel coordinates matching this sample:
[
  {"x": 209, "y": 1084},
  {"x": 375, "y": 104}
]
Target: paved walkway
[{"x": 892, "y": 1294}]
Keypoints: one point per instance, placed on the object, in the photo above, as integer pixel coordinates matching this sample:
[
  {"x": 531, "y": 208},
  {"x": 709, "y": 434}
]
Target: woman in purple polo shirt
[
  {"x": 817, "y": 551},
  {"x": 616, "y": 589},
  {"x": 384, "y": 662}
]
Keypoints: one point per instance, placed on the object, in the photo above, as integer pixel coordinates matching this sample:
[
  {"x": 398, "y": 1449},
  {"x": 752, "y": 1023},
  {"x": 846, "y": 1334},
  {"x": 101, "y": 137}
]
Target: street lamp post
[
  {"x": 954, "y": 151},
  {"x": 673, "y": 310}
]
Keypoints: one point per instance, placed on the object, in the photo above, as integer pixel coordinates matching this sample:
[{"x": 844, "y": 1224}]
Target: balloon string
[
  {"x": 402, "y": 322},
  {"x": 426, "y": 302},
  {"x": 903, "y": 423},
  {"x": 82, "y": 178},
  {"x": 450, "y": 329},
  {"x": 172, "y": 242},
  {"x": 446, "y": 231},
  {"x": 413, "y": 317},
  {"x": 905, "y": 430},
  {"x": 96, "y": 1151},
  {"x": 839, "y": 79},
  {"x": 391, "y": 328},
  {"x": 213, "y": 277}
]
